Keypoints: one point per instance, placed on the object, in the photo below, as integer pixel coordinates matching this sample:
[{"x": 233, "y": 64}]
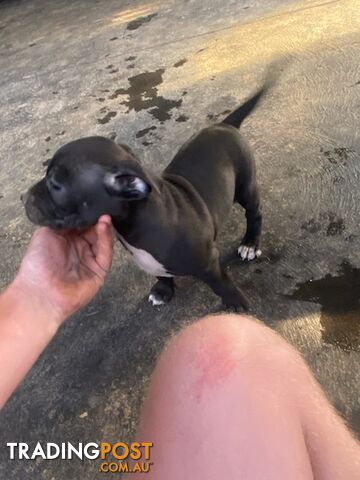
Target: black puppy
[{"x": 169, "y": 223}]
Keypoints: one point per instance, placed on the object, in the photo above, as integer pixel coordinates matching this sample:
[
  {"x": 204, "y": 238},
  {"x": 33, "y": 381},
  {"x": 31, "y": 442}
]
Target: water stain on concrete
[
  {"x": 182, "y": 118},
  {"x": 106, "y": 118},
  {"x": 339, "y": 297},
  {"x": 143, "y": 132},
  {"x": 311, "y": 226},
  {"x": 288, "y": 276},
  {"x": 338, "y": 155},
  {"x": 338, "y": 180},
  {"x": 180, "y": 63},
  {"x": 335, "y": 227},
  {"x": 135, "y": 24},
  {"x": 143, "y": 95}
]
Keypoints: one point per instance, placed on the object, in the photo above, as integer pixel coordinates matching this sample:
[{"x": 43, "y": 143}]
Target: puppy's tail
[{"x": 238, "y": 116}]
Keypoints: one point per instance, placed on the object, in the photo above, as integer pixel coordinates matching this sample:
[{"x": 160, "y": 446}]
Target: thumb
[{"x": 105, "y": 242}]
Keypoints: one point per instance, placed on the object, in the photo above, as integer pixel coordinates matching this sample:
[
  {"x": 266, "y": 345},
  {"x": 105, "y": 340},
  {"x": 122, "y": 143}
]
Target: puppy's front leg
[
  {"x": 219, "y": 281},
  {"x": 163, "y": 291}
]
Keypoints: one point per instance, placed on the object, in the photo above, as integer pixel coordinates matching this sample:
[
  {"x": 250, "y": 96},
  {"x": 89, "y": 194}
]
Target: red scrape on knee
[{"x": 214, "y": 363}]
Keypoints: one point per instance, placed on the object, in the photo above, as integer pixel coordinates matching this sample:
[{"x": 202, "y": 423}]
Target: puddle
[
  {"x": 340, "y": 306},
  {"x": 142, "y": 95}
]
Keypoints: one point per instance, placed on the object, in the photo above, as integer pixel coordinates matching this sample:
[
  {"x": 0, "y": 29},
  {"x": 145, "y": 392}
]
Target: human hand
[{"x": 64, "y": 270}]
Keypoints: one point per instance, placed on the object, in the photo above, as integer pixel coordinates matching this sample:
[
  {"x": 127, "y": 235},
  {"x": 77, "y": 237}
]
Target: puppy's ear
[{"x": 130, "y": 184}]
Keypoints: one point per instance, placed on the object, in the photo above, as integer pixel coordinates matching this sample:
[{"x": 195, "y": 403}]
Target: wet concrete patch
[
  {"x": 337, "y": 159},
  {"x": 335, "y": 224},
  {"x": 180, "y": 63},
  {"x": 135, "y": 24},
  {"x": 311, "y": 226},
  {"x": 143, "y": 95},
  {"x": 182, "y": 118},
  {"x": 338, "y": 155},
  {"x": 339, "y": 297},
  {"x": 335, "y": 227},
  {"x": 106, "y": 118},
  {"x": 143, "y": 132}
]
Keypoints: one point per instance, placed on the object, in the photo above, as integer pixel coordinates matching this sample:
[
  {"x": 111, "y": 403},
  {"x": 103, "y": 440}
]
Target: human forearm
[{"x": 27, "y": 324}]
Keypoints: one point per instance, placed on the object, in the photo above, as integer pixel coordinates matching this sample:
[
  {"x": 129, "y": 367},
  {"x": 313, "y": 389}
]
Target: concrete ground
[{"x": 150, "y": 75}]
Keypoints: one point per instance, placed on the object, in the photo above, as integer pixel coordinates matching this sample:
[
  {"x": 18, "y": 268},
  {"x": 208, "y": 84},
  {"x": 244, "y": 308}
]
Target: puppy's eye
[
  {"x": 130, "y": 178},
  {"x": 54, "y": 185}
]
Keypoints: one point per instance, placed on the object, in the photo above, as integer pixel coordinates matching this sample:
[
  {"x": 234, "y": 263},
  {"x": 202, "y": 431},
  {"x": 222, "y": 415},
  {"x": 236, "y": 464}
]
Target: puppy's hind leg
[
  {"x": 249, "y": 198},
  {"x": 162, "y": 292},
  {"x": 219, "y": 281}
]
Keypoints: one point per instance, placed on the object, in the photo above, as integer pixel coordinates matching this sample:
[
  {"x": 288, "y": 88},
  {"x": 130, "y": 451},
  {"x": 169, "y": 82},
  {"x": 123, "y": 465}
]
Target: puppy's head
[{"x": 87, "y": 178}]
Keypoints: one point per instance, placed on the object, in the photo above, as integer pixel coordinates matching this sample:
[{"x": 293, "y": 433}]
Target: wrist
[{"x": 31, "y": 309}]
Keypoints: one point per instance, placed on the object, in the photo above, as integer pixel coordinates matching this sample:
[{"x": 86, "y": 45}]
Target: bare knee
[
  {"x": 212, "y": 350},
  {"x": 228, "y": 335}
]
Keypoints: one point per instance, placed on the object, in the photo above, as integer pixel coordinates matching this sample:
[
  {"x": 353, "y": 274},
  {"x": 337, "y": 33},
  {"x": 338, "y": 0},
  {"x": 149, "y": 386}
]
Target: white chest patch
[{"x": 145, "y": 260}]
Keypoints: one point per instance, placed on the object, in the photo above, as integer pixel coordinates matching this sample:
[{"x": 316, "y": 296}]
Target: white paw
[
  {"x": 248, "y": 253},
  {"x": 155, "y": 301}
]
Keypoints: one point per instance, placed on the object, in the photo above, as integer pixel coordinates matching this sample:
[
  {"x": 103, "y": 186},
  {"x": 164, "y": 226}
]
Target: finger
[
  {"x": 91, "y": 233},
  {"x": 104, "y": 245},
  {"x": 105, "y": 219}
]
